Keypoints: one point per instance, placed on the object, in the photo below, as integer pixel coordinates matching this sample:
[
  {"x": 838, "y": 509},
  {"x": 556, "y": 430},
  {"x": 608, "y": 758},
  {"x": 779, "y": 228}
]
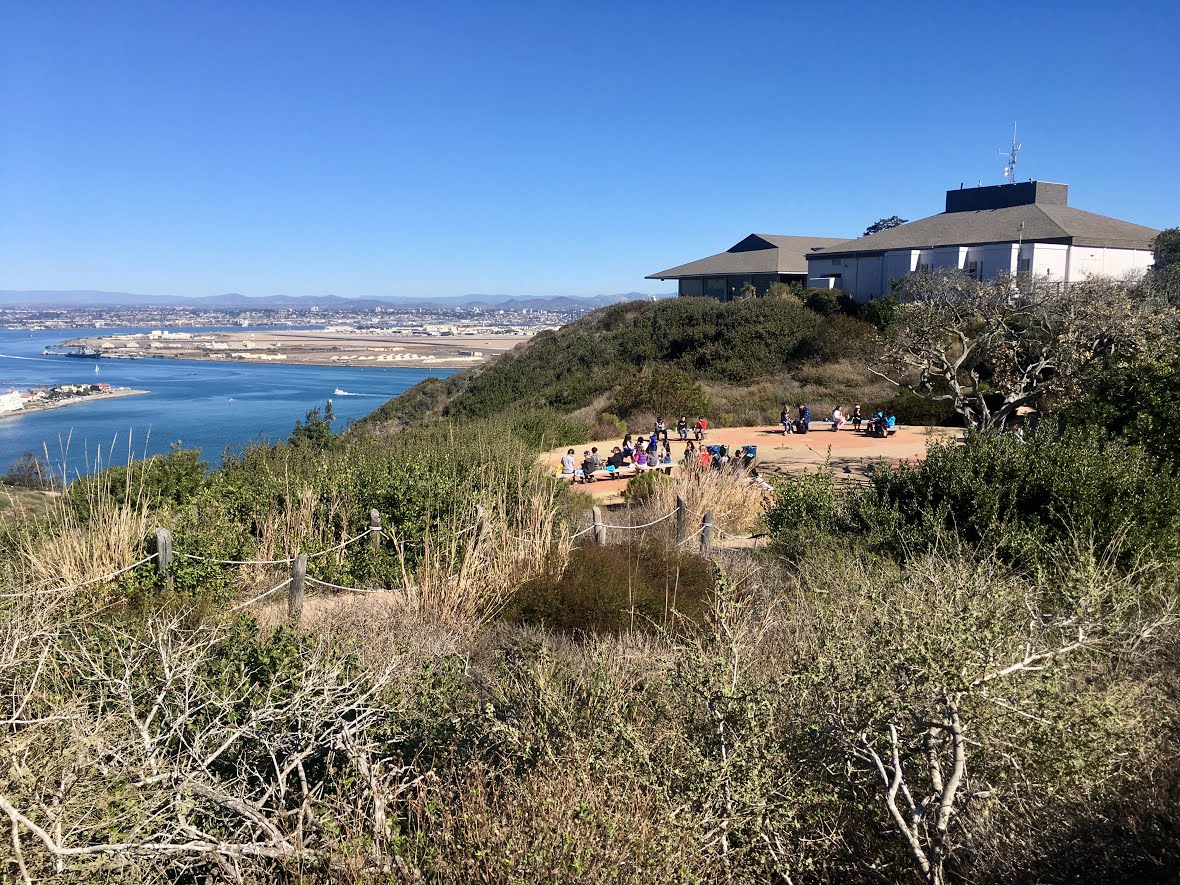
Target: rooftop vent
[{"x": 1001, "y": 196}]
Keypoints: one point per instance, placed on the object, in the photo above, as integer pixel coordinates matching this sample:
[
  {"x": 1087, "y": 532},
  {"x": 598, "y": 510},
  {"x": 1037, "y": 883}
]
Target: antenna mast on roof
[{"x": 1010, "y": 168}]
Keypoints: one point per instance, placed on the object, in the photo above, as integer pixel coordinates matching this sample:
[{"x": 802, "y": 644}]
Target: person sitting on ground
[
  {"x": 682, "y": 428},
  {"x": 756, "y": 479},
  {"x": 837, "y": 418},
  {"x": 856, "y": 417},
  {"x": 567, "y": 465},
  {"x": 890, "y": 423},
  {"x": 701, "y": 428},
  {"x": 803, "y": 422}
]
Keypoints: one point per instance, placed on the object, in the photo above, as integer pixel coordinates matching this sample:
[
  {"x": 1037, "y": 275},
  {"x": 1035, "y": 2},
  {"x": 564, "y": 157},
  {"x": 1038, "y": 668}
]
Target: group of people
[
  {"x": 881, "y": 424},
  {"x": 654, "y": 451}
]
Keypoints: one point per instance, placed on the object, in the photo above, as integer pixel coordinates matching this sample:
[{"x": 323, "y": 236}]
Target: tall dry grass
[
  {"x": 92, "y": 531},
  {"x": 471, "y": 565},
  {"x": 737, "y": 503}
]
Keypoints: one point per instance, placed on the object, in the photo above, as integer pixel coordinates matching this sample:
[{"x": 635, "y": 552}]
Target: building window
[
  {"x": 1024, "y": 265},
  {"x": 923, "y": 267},
  {"x": 973, "y": 270}
]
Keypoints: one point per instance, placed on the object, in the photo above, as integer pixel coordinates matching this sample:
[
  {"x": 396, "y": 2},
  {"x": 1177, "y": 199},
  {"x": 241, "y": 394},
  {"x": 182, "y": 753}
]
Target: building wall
[
  {"x": 866, "y": 277},
  {"x": 10, "y": 402}
]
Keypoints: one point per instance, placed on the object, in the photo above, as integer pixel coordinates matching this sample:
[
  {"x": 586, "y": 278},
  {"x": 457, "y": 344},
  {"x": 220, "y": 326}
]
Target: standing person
[
  {"x": 682, "y": 427},
  {"x": 690, "y": 454},
  {"x": 856, "y": 417},
  {"x": 837, "y": 418},
  {"x": 567, "y": 465},
  {"x": 803, "y": 422},
  {"x": 784, "y": 418},
  {"x": 706, "y": 457}
]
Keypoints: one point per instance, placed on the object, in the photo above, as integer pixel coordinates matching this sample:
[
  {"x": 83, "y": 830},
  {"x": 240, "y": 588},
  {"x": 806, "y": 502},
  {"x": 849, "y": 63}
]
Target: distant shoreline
[
  {"x": 70, "y": 401},
  {"x": 309, "y": 347}
]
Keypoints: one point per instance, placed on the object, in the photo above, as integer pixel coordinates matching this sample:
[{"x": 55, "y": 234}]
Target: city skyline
[{"x": 394, "y": 151}]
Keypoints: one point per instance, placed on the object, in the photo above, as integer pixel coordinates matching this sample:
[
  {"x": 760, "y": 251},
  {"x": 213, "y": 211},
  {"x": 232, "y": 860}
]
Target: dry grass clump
[
  {"x": 469, "y": 569},
  {"x": 93, "y": 533},
  {"x": 737, "y": 503}
]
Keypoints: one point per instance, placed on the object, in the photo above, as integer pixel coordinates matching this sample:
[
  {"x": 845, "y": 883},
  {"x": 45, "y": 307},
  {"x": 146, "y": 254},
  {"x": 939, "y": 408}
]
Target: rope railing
[
  {"x": 68, "y": 587},
  {"x": 164, "y": 554},
  {"x": 287, "y": 561},
  {"x": 262, "y": 595},
  {"x": 331, "y": 586}
]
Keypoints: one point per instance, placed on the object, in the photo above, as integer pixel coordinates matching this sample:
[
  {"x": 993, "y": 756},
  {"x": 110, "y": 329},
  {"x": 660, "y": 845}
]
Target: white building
[
  {"x": 1023, "y": 228},
  {"x": 11, "y": 401}
]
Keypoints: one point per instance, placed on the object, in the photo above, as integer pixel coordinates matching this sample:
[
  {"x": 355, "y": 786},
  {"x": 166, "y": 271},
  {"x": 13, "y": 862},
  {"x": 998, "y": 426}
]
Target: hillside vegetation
[
  {"x": 965, "y": 671},
  {"x": 737, "y": 362}
]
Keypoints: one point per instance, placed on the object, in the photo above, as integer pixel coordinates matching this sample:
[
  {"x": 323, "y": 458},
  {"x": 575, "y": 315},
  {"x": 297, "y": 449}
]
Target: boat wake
[
  {"x": 339, "y": 392},
  {"x": 32, "y": 359}
]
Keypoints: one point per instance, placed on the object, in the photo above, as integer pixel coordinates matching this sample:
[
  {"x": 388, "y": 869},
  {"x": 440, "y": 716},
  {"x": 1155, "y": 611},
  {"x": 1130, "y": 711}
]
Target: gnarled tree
[{"x": 992, "y": 347}]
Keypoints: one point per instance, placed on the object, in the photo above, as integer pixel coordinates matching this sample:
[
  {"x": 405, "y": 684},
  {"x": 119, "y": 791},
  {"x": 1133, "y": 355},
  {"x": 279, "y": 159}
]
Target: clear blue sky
[{"x": 422, "y": 149}]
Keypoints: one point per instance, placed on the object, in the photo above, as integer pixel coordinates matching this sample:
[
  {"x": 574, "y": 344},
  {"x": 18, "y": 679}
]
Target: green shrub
[
  {"x": 660, "y": 390},
  {"x": 917, "y": 411},
  {"x": 641, "y": 488},
  {"x": 1032, "y": 501}
]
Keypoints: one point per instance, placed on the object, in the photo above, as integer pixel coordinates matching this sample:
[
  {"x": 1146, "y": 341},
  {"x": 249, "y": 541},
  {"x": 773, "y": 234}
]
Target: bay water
[{"x": 207, "y": 405}]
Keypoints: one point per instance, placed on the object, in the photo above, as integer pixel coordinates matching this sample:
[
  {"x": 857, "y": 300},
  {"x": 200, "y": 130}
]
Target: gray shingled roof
[
  {"x": 756, "y": 254},
  {"x": 1042, "y": 222}
]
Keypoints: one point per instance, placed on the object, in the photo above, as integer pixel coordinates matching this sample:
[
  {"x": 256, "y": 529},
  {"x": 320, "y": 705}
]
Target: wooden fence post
[
  {"x": 374, "y": 530},
  {"x": 707, "y": 535},
  {"x": 163, "y": 550},
  {"x": 681, "y": 519},
  {"x": 295, "y": 591},
  {"x": 599, "y": 533},
  {"x": 164, "y": 555}
]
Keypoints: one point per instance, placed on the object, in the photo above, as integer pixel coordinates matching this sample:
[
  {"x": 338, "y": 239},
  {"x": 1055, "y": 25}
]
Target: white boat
[{"x": 339, "y": 392}]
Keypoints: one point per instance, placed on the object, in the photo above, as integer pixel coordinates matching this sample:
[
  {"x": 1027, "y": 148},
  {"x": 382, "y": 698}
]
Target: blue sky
[{"x": 541, "y": 148}]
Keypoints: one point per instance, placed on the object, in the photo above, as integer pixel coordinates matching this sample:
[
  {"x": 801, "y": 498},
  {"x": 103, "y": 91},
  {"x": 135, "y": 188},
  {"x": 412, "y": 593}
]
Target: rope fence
[{"x": 704, "y": 535}]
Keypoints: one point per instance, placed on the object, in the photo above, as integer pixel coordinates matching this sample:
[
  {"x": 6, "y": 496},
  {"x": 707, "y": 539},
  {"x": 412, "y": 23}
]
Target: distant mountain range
[{"x": 233, "y": 301}]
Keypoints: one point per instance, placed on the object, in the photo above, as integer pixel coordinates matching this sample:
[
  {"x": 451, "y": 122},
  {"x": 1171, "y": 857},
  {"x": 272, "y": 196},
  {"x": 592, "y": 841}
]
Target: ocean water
[{"x": 206, "y": 405}]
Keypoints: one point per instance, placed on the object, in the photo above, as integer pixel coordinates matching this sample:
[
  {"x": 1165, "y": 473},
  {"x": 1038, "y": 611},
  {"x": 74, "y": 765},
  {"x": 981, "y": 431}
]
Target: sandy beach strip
[{"x": 71, "y": 401}]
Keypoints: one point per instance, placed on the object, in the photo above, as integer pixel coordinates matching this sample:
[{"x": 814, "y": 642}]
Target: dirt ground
[{"x": 847, "y": 453}]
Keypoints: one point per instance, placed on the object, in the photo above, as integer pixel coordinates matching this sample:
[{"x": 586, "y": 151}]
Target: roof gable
[
  {"x": 756, "y": 254},
  {"x": 1030, "y": 222}
]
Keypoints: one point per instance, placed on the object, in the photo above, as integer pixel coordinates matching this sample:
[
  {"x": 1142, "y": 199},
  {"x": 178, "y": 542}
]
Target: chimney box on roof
[{"x": 1001, "y": 196}]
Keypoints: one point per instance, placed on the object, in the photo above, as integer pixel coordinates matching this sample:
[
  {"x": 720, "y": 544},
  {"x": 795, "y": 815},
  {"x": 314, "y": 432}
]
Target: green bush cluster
[{"x": 1034, "y": 500}]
